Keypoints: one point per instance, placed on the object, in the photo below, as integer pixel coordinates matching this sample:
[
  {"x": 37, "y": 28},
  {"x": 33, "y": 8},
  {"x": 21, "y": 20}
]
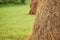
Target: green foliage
[
  {"x": 15, "y": 1},
  {"x": 23, "y": 1}
]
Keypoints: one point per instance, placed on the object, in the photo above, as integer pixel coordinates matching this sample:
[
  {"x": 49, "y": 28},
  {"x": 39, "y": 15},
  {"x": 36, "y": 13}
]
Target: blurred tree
[
  {"x": 23, "y": 1},
  {"x": 0, "y": 2},
  {"x": 14, "y": 1},
  {"x": 47, "y": 23}
]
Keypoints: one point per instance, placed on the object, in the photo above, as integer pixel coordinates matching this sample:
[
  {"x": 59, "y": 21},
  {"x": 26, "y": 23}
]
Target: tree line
[{"x": 14, "y": 1}]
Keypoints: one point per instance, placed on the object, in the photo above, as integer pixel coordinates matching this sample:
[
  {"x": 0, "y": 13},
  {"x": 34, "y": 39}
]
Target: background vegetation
[
  {"x": 15, "y": 21},
  {"x": 14, "y": 1}
]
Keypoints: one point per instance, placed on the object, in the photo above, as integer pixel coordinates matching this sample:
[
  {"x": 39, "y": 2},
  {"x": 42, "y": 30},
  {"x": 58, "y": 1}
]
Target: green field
[{"x": 15, "y": 22}]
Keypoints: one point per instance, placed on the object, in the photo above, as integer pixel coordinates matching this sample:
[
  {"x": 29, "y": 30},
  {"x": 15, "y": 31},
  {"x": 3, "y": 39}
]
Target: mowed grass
[{"x": 15, "y": 23}]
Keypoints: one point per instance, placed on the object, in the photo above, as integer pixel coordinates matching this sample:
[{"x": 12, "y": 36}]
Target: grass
[{"x": 15, "y": 23}]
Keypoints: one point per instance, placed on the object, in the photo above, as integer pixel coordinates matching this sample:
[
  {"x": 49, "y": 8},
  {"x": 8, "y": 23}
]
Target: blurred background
[
  {"x": 14, "y": 2},
  {"x": 15, "y": 21}
]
